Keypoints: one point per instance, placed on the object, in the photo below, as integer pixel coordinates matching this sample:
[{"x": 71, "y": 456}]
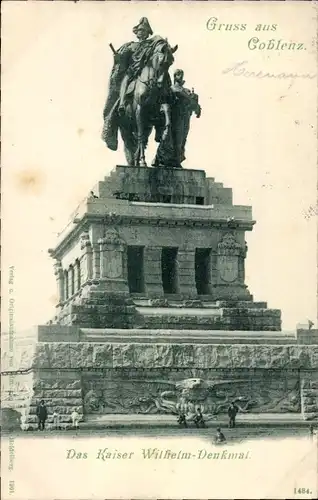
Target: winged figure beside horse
[{"x": 142, "y": 97}]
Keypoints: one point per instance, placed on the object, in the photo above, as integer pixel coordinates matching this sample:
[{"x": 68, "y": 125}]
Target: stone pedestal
[
  {"x": 191, "y": 251},
  {"x": 153, "y": 301},
  {"x": 133, "y": 371}
]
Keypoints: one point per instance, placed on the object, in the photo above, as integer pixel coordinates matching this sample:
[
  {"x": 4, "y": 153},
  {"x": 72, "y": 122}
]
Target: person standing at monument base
[
  {"x": 56, "y": 420},
  {"x": 75, "y": 419},
  {"x": 41, "y": 413},
  {"x": 182, "y": 419},
  {"x": 198, "y": 418},
  {"x": 232, "y": 412}
]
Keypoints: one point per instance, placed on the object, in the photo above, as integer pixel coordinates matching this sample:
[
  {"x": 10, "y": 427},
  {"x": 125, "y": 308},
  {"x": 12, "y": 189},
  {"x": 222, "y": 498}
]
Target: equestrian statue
[{"x": 142, "y": 97}]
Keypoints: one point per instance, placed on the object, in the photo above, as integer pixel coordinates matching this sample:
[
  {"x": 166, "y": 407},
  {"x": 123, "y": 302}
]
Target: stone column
[
  {"x": 152, "y": 271},
  {"x": 71, "y": 283},
  {"x": 241, "y": 264},
  {"x": 96, "y": 261},
  {"x": 77, "y": 275},
  {"x": 58, "y": 271},
  {"x": 103, "y": 257},
  {"x": 86, "y": 259},
  {"x": 186, "y": 272},
  {"x": 65, "y": 285}
]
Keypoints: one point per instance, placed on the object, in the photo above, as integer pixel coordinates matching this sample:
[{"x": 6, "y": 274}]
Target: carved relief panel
[
  {"x": 112, "y": 251},
  {"x": 251, "y": 395},
  {"x": 229, "y": 254}
]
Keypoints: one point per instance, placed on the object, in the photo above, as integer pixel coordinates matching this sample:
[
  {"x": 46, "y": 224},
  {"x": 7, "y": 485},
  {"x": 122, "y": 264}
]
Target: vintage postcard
[{"x": 159, "y": 246}]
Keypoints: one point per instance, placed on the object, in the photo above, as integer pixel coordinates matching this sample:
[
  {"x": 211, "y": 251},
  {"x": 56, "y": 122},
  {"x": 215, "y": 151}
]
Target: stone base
[
  {"x": 102, "y": 309},
  {"x": 133, "y": 421},
  {"x": 147, "y": 372},
  {"x": 207, "y": 315},
  {"x": 156, "y": 231},
  {"x": 156, "y": 184},
  {"x": 99, "y": 309}
]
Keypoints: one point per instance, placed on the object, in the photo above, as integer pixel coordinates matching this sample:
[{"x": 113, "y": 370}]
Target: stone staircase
[{"x": 207, "y": 315}]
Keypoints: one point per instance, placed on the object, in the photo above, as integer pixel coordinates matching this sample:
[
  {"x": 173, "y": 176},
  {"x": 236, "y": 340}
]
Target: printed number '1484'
[{"x": 299, "y": 491}]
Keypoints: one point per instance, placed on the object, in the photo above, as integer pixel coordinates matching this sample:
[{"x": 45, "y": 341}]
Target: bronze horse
[{"x": 147, "y": 104}]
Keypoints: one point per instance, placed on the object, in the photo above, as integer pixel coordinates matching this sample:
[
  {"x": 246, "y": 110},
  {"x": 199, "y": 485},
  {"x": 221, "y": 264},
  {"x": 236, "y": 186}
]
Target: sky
[{"x": 256, "y": 135}]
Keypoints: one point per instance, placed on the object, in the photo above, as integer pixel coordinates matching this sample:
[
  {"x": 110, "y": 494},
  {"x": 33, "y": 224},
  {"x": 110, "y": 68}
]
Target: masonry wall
[{"x": 118, "y": 376}]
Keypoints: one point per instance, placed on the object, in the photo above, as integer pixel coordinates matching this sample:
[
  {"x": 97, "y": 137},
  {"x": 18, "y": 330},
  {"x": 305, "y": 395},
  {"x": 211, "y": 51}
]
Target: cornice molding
[{"x": 131, "y": 220}]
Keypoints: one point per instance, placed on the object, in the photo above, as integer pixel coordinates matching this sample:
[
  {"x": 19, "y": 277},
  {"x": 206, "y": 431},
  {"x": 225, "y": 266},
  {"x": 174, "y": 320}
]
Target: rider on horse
[
  {"x": 132, "y": 57},
  {"x": 129, "y": 62}
]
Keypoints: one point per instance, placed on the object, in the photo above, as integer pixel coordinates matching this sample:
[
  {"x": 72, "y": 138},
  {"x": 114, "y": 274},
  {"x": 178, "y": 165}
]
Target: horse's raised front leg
[{"x": 140, "y": 153}]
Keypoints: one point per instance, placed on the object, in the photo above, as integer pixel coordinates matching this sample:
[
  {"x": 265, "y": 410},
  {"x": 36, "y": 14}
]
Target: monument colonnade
[{"x": 150, "y": 270}]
